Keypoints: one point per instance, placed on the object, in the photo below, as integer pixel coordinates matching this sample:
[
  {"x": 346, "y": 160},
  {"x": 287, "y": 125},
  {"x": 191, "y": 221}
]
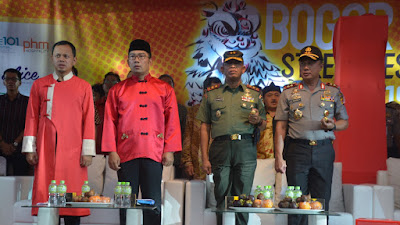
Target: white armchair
[
  {"x": 350, "y": 201},
  {"x": 387, "y": 191}
]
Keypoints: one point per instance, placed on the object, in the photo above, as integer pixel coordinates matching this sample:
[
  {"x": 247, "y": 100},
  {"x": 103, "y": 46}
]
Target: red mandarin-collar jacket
[
  {"x": 59, "y": 127},
  {"x": 141, "y": 119}
]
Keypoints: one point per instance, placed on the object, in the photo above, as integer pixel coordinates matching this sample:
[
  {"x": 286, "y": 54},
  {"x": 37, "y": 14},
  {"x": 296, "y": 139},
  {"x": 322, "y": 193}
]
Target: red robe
[
  {"x": 141, "y": 119},
  {"x": 60, "y": 128}
]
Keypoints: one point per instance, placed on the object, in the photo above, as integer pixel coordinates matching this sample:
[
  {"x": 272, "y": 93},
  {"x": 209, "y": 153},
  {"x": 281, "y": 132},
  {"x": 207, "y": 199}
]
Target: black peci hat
[
  {"x": 140, "y": 44},
  {"x": 271, "y": 87}
]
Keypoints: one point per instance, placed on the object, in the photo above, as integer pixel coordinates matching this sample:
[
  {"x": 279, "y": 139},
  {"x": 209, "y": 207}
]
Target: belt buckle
[
  {"x": 235, "y": 137},
  {"x": 312, "y": 143}
]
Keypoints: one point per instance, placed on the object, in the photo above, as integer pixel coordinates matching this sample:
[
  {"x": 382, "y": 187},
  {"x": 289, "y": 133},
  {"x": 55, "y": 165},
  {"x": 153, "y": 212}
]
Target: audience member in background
[
  {"x": 110, "y": 79},
  {"x": 141, "y": 130},
  {"x": 265, "y": 146},
  {"x": 99, "y": 172},
  {"x": 230, "y": 113},
  {"x": 307, "y": 115},
  {"x": 393, "y": 129},
  {"x": 182, "y": 119},
  {"x": 191, "y": 159},
  {"x": 12, "y": 123},
  {"x": 59, "y": 130},
  {"x": 98, "y": 92}
]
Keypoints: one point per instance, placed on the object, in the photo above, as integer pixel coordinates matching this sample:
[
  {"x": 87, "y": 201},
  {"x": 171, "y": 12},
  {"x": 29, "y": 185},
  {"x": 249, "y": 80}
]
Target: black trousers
[
  {"x": 147, "y": 174},
  {"x": 311, "y": 168},
  {"x": 70, "y": 220},
  {"x": 17, "y": 165}
]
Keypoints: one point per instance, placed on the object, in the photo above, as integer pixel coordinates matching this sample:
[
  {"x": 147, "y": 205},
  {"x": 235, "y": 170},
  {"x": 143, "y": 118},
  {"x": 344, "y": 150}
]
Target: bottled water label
[
  {"x": 52, "y": 189},
  {"x": 62, "y": 189}
]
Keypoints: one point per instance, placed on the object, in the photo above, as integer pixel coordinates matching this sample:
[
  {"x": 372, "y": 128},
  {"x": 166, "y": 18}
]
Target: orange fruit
[
  {"x": 316, "y": 205},
  {"x": 304, "y": 205},
  {"x": 104, "y": 199},
  {"x": 94, "y": 198},
  {"x": 267, "y": 203},
  {"x": 257, "y": 203}
]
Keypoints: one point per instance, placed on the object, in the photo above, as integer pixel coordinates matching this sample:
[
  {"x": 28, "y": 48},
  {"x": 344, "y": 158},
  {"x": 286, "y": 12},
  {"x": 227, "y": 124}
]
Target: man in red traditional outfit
[
  {"x": 59, "y": 130},
  {"x": 141, "y": 129}
]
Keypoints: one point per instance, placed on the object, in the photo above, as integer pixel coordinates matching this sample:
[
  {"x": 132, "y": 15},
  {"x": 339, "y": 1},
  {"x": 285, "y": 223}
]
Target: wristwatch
[
  {"x": 334, "y": 128},
  {"x": 15, "y": 144}
]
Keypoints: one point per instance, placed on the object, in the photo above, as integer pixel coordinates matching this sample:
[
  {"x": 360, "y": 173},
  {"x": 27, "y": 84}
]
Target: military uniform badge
[{"x": 298, "y": 114}]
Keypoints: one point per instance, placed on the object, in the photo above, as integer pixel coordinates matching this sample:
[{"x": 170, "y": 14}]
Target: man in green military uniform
[{"x": 231, "y": 112}]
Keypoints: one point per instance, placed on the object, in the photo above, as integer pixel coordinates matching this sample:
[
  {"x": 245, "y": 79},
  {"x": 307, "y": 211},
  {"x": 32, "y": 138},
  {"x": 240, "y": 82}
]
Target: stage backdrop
[{"x": 187, "y": 37}]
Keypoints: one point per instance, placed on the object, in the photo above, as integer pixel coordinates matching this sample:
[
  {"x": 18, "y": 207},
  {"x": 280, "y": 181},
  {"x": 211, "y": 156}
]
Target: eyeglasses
[
  {"x": 140, "y": 56},
  {"x": 14, "y": 79}
]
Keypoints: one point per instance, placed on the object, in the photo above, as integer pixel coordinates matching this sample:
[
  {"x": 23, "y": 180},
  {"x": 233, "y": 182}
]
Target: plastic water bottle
[
  {"x": 127, "y": 190},
  {"x": 61, "y": 190},
  {"x": 268, "y": 194},
  {"x": 257, "y": 191},
  {"x": 289, "y": 192},
  {"x": 85, "y": 187},
  {"x": 52, "y": 194},
  {"x": 297, "y": 192},
  {"x": 118, "y": 195}
]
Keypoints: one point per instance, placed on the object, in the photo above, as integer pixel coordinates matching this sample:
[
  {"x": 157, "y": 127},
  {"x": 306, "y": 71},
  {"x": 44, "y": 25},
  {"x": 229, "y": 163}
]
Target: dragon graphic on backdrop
[{"x": 231, "y": 27}]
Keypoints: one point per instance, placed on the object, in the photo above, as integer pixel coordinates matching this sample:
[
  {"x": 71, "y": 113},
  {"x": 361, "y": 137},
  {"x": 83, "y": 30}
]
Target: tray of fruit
[
  {"x": 90, "y": 199},
  {"x": 302, "y": 205},
  {"x": 250, "y": 203}
]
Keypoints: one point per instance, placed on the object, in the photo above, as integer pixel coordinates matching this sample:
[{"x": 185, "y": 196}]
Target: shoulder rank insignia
[
  {"x": 213, "y": 87},
  {"x": 290, "y": 86},
  {"x": 332, "y": 85},
  {"x": 252, "y": 87}
]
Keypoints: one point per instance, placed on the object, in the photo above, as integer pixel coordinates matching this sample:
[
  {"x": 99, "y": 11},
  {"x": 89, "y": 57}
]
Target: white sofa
[
  {"x": 350, "y": 201},
  {"x": 387, "y": 191},
  {"x": 16, "y": 192}
]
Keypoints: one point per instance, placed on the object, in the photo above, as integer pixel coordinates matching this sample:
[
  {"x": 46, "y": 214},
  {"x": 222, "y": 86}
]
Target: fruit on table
[
  {"x": 267, "y": 203},
  {"x": 251, "y": 198},
  {"x": 90, "y": 193},
  {"x": 284, "y": 204},
  {"x": 316, "y": 205},
  {"x": 260, "y": 196},
  {"x": 303, "y": 198},
  {"x": 257, "y": 203},
  {"x": 293, "y": 205},
  {"x": 287, "y": 199},
  {"x": 94, "y": 198},
  {"x": 248, "y": 203},
  {"x": 304, "y": 205},
  {"x": 243, "y": 196},
  {"x": 238, "y": 203}
]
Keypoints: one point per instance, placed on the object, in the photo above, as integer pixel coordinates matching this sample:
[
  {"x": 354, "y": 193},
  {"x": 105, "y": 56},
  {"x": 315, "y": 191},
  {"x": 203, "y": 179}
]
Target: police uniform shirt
[
  {"x": 228, "y": 109},
  {"x": 304, "y": 109}
]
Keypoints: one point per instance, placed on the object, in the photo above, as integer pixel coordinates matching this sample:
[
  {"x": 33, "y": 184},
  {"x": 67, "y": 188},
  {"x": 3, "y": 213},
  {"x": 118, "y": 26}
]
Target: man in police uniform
[
  {"x": 307, "y": 111},
  {"x": 231, "y": 112}
]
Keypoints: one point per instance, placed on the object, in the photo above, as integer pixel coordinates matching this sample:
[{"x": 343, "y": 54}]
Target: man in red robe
[
  {"x": 59, "y": 130},
  {"x": 141, "y": 129}
]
